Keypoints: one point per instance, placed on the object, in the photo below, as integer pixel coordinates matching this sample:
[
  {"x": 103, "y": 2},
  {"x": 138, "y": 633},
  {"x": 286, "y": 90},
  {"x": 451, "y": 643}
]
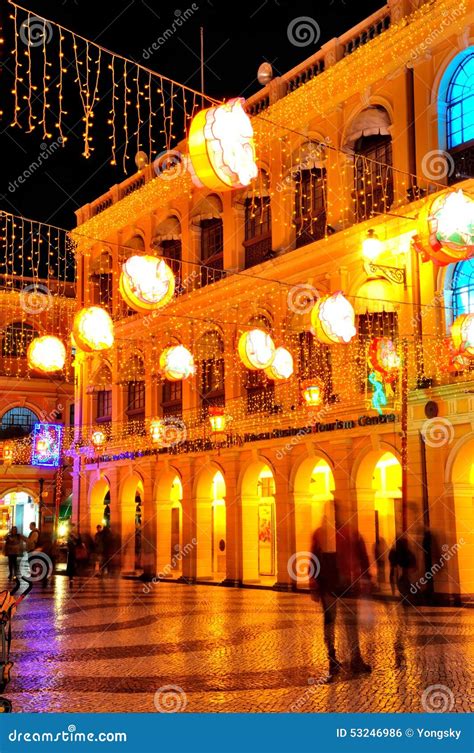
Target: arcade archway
[
  {"x": 314, "y": 508},
  {"x": 379, "y": 502},
  {"x": 210, "y": 492},
  {"x": 99, "y": 504},
  {"x": 462, "y": 477},
  {"x": 169, "y": 511},
  {"x": 259, "y": 547}
]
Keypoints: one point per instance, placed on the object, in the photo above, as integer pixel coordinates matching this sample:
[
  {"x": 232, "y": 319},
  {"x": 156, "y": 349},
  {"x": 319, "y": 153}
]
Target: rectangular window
[
  {"x": 171, "y": 252},
  {"x": 212, "y": 251},
  {"x": 104, "y": 405},
  {"x": 314, "y": 360},
  {"x": 258, "y": 231},
  {"x": 136, "y": 400},
  {"x": 373, "y": 176},
  {"x": 172, "y": 398},
  {"x": 260, "y": 392},
  {"x": 310, "y": 206}
]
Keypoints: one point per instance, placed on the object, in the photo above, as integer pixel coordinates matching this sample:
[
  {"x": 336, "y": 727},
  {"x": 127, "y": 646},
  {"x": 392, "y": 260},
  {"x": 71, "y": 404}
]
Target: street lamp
[{"x": 372, "y": 247}]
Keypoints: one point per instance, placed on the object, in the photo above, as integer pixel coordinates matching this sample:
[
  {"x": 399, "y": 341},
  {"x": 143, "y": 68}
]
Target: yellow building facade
[{"x": 357, "y": 138}]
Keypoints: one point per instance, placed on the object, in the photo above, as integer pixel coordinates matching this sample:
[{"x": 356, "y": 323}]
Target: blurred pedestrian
[
  {"x": 402, "y": 565},
  {"x": 98, "y": 549},
  {"x": 73, "y": 542},
  {"x": 33, "y": 537},
  {"x": 14, "y": 543},
  {"x": 337, "y": 575}
]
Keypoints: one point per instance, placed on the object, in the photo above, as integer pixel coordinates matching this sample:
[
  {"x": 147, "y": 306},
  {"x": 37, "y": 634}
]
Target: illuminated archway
[
  {"x": 462, "y": 478},
  {"x": 99, "y": 500},
  {"x": 259, "y": 552},
  {"x": 210, "y": 492},
  {"x": 169, "y": 512},
  {"x": 131, "y": 521},
  {"x": 18, "y": 508},
  {"x": 313, "y": 488},
  {"x": 379, "y": 502}
]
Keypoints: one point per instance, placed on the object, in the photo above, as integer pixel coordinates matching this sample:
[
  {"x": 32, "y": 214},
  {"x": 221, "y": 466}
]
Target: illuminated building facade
[
  {"x": 27, "y": 397},
  {"x": 223, "y": 475}
]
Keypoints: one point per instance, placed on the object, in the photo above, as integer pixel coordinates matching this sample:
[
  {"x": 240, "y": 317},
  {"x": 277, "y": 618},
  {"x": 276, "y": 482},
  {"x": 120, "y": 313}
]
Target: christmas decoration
[
  {"x": 98, "y": 439},
  {"x": 146, "y": 283},
  {"x": 446, "y": 228},
  {"x": 47, "y": 440},
  {"x": 332, "y": 318},
  {"x": 462, "y": 334},
  {"x": 282, "y": 365},
  {"x": 383, "y": 358},
  {"x": 312, "y": 392},
  {"x": 46, "y": 354},
  {"x": 256, "y": 349},
  {"x": 221, "y": 146},
  {"x": 176, "y": 362},
  {"x": 93, "y": 329}
]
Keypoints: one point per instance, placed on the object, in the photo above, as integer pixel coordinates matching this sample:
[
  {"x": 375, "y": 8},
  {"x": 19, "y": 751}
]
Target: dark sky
[{"x": 238, "y": 38}]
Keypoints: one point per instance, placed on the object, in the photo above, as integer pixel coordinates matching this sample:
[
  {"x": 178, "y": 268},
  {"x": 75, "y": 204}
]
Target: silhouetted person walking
[
  {"x": 13, "y": 549},
  {"x": 342, "y": 574}
]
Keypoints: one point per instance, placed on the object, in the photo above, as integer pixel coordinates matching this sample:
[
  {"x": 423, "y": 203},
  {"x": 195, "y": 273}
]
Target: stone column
[
  {"x": 233, "y": 512},
  {"x": 285, "y": 526},
  {"x": 149, "y": 520},
  {"x": 189, "y": 532}
]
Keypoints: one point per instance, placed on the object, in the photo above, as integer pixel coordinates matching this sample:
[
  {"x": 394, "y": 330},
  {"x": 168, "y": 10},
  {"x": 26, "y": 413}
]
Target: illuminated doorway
[
  {"x": 379, "y": 504},
  {"x": 218, "y": 526},
  {"x": 169, "y": 525},
  {"x": 461, "y": 533},
  {"x": 314, "y": 509},
  {"x": 17, "y": 509},
  {"x": 258, "y": 525},
  {"x": 211, "y": 534}
]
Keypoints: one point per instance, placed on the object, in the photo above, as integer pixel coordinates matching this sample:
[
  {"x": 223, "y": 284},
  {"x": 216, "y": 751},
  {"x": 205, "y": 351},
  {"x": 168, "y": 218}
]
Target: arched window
[
  {"x": 460, "y": 104},
  {"x": 16, "y": 338},
  {"x": 462, "y": 287},
  {"x": 17, "y": 422},
  {"x": 135, "y": 395}
]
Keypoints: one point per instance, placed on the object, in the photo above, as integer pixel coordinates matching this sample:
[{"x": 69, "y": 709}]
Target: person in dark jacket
[
  {"x": 334, "y": 576},
  {"x": 13, "y": 549},
  {"x": 73, "y": 541},
  {"x": 402, "y": 564}
]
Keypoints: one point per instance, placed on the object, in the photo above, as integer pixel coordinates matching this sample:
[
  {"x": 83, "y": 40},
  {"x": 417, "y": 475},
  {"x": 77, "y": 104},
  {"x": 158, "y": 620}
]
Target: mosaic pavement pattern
[{"x": 108, "y": 646}]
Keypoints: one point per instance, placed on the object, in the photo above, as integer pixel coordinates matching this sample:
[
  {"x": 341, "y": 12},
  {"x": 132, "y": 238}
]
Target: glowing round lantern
[
  {"x": 462, "y": 334},
  {"x": 282, "y": 365},
  {"x": 312, "y": 392},
  {"x": 383, "y": 357},
  {"x": 333, "y": 319},
  {"x": 98, "y": 439},
  {"x": 177, "y": 363},
  {"x": 93, "y": 329},
  {"x": 46, "y": 354},
  {"x": 256, "y": 349},
  {"x": 446, "y": 228},
  {"x": 221, "y": 146},
  {"x": 146, "y": 283}
]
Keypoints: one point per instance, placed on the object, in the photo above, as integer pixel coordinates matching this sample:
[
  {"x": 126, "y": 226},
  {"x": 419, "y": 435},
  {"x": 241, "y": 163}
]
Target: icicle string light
[{"x": 90, "y": 74}]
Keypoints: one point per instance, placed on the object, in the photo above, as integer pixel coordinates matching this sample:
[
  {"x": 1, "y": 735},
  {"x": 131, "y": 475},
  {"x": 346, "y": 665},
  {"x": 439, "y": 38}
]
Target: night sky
[{"x": 238, "y": 38}]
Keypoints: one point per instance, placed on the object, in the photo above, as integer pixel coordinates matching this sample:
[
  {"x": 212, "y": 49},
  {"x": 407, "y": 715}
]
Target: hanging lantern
[
  {"x": 282, "y": 365},
  {"x": 332, "y": 318},
  {"x": 221, "y": 146},
  {"x": 446, "y": 228},
  {"x": 8, "y": 448},
  {"x": 371, "y": 246},
  {"x": 176, "y": 362},
  {"x": 217, "y": 419},
  {"x": 146, "y": 283},
  {"x": 256, "y": 349},
  {"x": 312, "y": 392},
  {"x": 383, "y": 358},
  {"x": 93, "y": 329},
  {"x": 156, "y": 430},
  {"x": 46, "y": 354},
  {"x": 98, "y": 439},
  {"x": 462, "y": 335}
]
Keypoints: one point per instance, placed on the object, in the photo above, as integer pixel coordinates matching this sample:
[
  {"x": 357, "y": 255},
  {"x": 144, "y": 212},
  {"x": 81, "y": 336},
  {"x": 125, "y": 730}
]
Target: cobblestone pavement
[{"x": 108, "y": 646}]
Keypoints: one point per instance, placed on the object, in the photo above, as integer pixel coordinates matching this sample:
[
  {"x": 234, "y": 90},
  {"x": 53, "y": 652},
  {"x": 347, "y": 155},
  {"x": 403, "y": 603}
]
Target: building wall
[{"x": 439, "y": 472}]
